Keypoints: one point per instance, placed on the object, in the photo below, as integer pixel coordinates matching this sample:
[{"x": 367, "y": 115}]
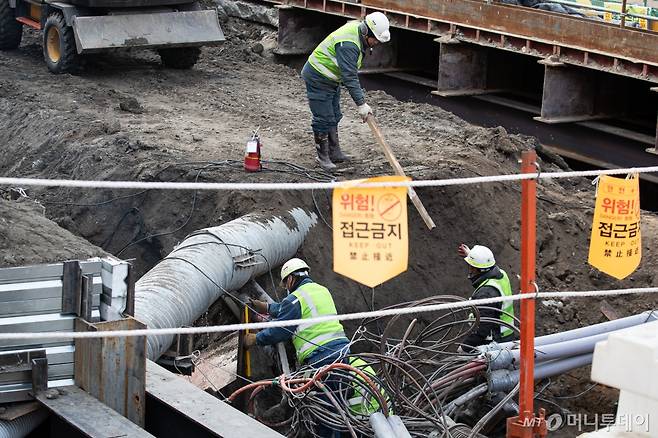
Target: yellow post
[{"x": 247, "y": 354}]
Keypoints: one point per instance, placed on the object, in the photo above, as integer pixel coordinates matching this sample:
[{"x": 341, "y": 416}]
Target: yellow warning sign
[
  {"x": 371, "y": 244},
  {"x": 616, "y": 244}
]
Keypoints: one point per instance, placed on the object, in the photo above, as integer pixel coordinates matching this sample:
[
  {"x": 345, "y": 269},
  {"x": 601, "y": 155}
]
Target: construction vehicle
[{"x": 175, "y": 28}]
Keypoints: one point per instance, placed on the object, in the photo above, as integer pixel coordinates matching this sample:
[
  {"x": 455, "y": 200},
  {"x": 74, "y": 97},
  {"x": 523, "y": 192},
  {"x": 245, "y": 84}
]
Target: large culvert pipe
[
  {"x": 180, "y": 288},
  {"x": 22, "y": 426}
]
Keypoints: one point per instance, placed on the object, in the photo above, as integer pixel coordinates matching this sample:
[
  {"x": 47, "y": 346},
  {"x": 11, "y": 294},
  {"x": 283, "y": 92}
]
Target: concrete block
[{"x": 628, "y": 360}]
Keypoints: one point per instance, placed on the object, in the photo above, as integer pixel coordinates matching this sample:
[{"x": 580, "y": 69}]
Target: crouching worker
[
  {"x": 316, "y": 345},
  {"x": 489, "y": 281}
]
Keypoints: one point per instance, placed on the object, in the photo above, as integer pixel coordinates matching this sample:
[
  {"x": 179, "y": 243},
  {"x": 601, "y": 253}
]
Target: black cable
[
  {"x": 151, "y": 236},
  {"x": 97, "y": 204},
  {"x": 237, "y": 299}
]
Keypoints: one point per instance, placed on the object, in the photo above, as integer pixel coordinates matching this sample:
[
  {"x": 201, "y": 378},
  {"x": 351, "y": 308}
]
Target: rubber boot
[
  {"x": 335, "y": 154},
  {"x": 322, "y": 148}
]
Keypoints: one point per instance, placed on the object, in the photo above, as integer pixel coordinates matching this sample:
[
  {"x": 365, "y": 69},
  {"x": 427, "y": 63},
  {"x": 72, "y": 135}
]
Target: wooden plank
[
  {"x": 399, "y": 171},
  {"x": 608, "y": 311},
  {"x": 90, "y": 416},
  {"x": 201, "y": 407}
]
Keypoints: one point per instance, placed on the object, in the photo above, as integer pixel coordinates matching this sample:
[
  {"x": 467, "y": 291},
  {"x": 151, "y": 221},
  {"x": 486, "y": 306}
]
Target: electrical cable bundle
[{"x": 408, "y": 366}]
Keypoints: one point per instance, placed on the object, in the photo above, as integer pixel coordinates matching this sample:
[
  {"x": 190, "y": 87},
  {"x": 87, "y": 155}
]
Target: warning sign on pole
[
  {"x": 616, "y": 245},
  {"x": 371, "y": 244}
]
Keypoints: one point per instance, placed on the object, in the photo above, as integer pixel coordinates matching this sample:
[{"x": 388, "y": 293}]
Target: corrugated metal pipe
[
  {"x": 180, "y": 288},
  {"x": 23, "y": 425}
]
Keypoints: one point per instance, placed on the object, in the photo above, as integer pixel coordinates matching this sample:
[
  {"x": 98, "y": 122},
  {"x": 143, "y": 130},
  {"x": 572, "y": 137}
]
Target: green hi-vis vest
[
  {"x": 323, "y": 58},
  {"x": 363, "y": 402},
  {"x": 505, "y": 289},
  {"x": 315, "y": 300}
]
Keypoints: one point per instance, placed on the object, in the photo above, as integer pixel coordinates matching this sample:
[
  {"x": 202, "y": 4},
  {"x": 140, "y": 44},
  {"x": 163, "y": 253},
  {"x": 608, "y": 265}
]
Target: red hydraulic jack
[{"x": 527, "y": 425}]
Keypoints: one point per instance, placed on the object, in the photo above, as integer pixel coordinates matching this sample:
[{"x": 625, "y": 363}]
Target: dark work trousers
[
  {"x": 333, "y": 384},
  {"x": 323, "y": 99}
]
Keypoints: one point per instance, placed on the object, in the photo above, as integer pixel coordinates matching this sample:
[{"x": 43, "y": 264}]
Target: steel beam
[
  {"x": 112, "y": 369},
  {"x": 462, "y": 69},
  {"x": 16, "y": 392},
  {"x": 587, "y": 43},
  {"x": 654, "y": 149},
  {"x": 573, "y": 94},
  {"x": 35, "y": 323},
  {"x": 543, "y": 26},
  {"x": 44, "y": 272},
  {"x": 89, "y": 416},
  {"x": 177, "y": 409},
  {"x": 299, "y": 31}
]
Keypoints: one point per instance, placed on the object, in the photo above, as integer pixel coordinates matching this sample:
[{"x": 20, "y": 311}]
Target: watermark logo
[{"x": 583, "y": 422}]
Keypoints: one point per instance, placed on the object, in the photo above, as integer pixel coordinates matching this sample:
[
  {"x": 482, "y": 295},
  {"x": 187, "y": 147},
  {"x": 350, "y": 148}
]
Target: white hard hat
[
  {"x": 377, "y": 22},
  {"x": 480, "y": 257},
  {"x": 291, "y": 266}
]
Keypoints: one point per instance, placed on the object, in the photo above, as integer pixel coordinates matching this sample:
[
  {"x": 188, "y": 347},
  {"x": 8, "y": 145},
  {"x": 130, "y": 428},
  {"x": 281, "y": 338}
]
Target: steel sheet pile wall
[
  {"x": 31, "y": 301},
  {"x": 211, "y": 261}
]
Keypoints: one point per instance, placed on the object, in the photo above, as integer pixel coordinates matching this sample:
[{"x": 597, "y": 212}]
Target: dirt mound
[
  {"x": 27, "y": 237},
  {"x": 193, "y": 125}
]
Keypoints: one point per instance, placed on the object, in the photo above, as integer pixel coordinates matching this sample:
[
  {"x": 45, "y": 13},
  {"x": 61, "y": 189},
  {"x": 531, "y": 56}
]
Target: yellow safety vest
[
  {"x": 315, "y": 300},
  {"x": 363, "y": 402},
  {"x": 323, "y": 58},
  {"x": 503, "y": 287}
]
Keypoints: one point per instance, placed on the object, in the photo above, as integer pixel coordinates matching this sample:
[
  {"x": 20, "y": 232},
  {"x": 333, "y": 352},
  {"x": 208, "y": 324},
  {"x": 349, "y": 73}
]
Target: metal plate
[
  {"x": 98, "y": 420},
  {"x": 21, "y": 391},
  {"x": 168, "y": 29},
  {"x": 44, "y": 272}
]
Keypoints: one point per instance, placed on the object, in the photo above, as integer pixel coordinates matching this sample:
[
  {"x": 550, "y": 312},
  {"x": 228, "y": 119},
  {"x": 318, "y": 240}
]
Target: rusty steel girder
[{"x": 578, "y": 41}]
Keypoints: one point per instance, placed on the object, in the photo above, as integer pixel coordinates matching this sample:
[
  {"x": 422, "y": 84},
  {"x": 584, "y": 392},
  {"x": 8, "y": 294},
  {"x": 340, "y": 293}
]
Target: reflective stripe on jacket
[
  {"x": 504, "y": 288},
  {"x": 323, "y": 58},
  {"x": 315, "y": 300},
  {"x": 362, "y": 401}
]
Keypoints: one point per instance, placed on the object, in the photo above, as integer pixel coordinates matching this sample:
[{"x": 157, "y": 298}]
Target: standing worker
[
  {"x": 316, "y": 344},
  {"x": 334, "y": 62},
  {"x": 489, "y": 281}
]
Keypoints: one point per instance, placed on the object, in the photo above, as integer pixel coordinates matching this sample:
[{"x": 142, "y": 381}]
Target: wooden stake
[{"x": 399, "y": 171}]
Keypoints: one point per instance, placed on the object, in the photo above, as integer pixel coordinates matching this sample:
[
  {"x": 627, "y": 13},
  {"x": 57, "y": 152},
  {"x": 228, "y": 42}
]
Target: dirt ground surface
[
  {"x": 28, "y": 237},
  {"x": 124, "y": 117}
]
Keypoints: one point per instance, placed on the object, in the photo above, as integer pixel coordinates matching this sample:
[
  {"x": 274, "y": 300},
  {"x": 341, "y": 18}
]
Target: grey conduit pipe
[
  {"x": 591, "y": 330},
  {"x": 209, "y": 262},
  {"x": 22, "y": 426},
  {"x": 505, "y": 380},
  {"x": 575, "y": 347}
]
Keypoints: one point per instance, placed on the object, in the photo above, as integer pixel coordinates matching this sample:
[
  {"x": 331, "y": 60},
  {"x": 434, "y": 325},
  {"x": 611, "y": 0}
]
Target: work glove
[
  {"x": 364, "y": 110},
  {"x": 463, "y": 250},
  {"x": 249, "y": 340},
  {"x": 258, "y": 306}
]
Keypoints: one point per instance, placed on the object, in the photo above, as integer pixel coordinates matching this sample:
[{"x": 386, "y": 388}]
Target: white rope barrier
[
  {"x": 143, "y": 185},
  {"x": 343, "y": 317}
]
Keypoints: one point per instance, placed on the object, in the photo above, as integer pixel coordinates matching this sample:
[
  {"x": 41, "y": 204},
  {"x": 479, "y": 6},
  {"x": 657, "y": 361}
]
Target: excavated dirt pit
[{"x": 126, "y": 118}]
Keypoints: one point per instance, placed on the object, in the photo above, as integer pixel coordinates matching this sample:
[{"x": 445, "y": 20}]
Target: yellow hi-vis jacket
[
  {"x": 315, "y": 300},
  {"x": 323, "y": 58},
  {"x": 505, "y": 289},
  {"x": 363, "y": 402}
]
